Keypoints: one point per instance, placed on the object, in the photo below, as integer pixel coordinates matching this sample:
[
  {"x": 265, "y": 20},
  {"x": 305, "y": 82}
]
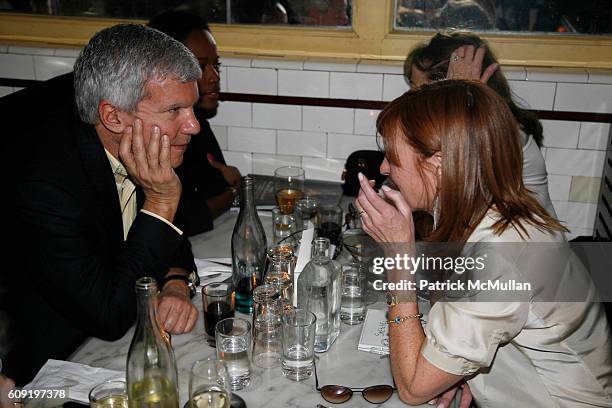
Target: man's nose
[{"x": 191, "y": 125}]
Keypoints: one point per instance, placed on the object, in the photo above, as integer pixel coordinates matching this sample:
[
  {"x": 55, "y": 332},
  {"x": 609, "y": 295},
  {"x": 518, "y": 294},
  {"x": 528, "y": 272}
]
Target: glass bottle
[
  {"x": 248, "y": 248},
  {"x": 280, "y": 272},
  {"x": 318, "y": 290},
  {"x": 151, "y": 369}
]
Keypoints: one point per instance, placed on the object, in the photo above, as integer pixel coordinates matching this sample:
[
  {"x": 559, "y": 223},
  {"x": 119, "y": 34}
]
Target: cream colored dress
[{"x": 536, "y": 353}]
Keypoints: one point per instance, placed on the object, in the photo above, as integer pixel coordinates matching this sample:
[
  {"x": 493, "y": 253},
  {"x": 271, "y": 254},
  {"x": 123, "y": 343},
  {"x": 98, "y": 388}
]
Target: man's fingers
[
  {"x": 153, "y": 148},
  {"x": 164, "y": 153},
  {"x": 488, "y": 73},
  {"x": 138, "y": 148},
  {"x": 193, "y": 319}
]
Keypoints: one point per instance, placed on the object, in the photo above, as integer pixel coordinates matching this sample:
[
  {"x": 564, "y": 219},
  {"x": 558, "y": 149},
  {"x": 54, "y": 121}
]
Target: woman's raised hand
[{"x": 466, "y": 63}]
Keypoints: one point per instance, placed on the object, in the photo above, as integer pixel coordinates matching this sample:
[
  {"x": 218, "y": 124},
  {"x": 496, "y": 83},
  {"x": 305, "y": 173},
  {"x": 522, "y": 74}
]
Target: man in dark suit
[{"x": 95, "y": 199}]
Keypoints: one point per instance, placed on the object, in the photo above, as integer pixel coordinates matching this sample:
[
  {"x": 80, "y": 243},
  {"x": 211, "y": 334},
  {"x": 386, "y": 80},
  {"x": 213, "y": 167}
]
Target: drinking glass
[
  {"x": 218, "y": 303},
  {"x": 234, "y": 347},
  {"x": 283, "y": 225},
  {"x": 298, "y": 328},
  {"x": 288, "y": 187},
  {"x": 352, "y": 306},
  {"x": 281, "y": 264},
  {"x": 329, "y": 223},
  {"x": 209, "y": 384},
  {"x": 267, "y": 309},
  {"x": 305, "y": 212},
  {"x": 109, "y": 394}
]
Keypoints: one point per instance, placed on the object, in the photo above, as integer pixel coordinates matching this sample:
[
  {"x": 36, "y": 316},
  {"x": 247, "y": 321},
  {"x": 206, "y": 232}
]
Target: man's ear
[{"x": 113, "y": 118}]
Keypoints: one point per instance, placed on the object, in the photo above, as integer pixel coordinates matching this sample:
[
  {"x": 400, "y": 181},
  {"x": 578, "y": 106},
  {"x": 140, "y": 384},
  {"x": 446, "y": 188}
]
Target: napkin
[
  {"x": 77, "y": 379},
  {"x": 211, "y": 272}
]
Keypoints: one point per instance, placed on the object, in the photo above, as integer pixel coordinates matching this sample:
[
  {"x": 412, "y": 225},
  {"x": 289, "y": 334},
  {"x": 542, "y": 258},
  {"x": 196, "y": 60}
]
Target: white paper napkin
[
  {"x": 77, "y": 379},
  {"x": 211, "y": 272}
]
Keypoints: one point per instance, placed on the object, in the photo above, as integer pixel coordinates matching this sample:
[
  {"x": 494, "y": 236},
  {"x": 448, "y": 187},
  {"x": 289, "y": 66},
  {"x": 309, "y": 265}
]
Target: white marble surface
[{"x": 343, "y": 364}]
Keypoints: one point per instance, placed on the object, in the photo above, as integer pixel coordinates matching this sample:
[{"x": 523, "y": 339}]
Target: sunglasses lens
[
  {"x": 378, "y": 393},
  {"x": 336, "y": 394}
]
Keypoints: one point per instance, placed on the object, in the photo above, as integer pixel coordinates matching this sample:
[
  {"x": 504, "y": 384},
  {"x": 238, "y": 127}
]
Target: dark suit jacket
[{"x": 75, "y": 275}]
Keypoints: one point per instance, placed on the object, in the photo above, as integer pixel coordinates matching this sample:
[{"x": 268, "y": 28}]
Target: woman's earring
[{"x": 436, "y": 211}]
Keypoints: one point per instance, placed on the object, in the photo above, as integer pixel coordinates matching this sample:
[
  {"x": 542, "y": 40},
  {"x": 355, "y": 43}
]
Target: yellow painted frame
[{"x": 371, "y": 38}]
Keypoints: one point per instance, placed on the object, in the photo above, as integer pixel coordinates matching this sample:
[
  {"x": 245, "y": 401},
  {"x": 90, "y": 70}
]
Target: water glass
[
  {"x": 218, "y": 303},
  {"x": 109, "y": 394},
  {"x": 283, "y": 225},
  {"x": 298, "y": 335},
  {"x": 288, "y": 187},
  {"x": 329, "y": 223},
  {"x": 209, "y": 384},
  {"x": 352, "y": 306},
  {"x": 305, "y": 212},
  {"x": 233, "y": 337},
  {"x": 267, "y": 309}
]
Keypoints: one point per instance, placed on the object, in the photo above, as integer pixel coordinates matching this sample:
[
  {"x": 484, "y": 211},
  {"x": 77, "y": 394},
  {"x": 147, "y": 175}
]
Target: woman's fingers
[
  {"x": 488, "y": 72},
  {"x": 398, "y": 200}
]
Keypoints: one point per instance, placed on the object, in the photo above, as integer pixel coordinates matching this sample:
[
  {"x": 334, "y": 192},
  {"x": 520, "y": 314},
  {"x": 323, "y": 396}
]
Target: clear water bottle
[
  {"x": 319, "y": 291},
  {"x": 151, "y": 368},
  {"x": 248, "y": 249}
]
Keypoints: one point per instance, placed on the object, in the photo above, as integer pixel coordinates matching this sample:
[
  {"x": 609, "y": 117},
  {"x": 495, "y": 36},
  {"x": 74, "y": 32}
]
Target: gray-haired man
[{"x": 96, "y": 198}]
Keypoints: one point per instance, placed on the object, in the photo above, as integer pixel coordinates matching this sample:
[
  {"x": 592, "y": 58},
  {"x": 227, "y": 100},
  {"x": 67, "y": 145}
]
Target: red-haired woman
[{"x": 452, "y": 149}]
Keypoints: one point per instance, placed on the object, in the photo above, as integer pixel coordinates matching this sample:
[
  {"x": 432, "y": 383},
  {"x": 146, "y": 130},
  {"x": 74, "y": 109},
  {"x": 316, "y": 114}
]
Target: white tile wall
[
  {"x": 556, "y": 74},
  {"x": 380, "y": 68},
  {"x": 313, "y": 84},
  {"x": 584, "y": 98},
  {"x": 233, "y": 114},
  {"x": 321, "y": 119},
  {"x": 339, "y": 146},
  {"x": 581, "y": 215},
  {"x": 235, "y": 62},
  {"x": 251, "y": 80},
  {"x": 365, "y": 121},
  {"x": 223, "y": 80},
  {"x": 267, "y": 163},
  {"x": 323, "y": 169},
  {"x": 561, "y": 210},
  {"x": 48, "y": 67},
  {"x": 394, "y": 86},
  {"x": 345, "y": 85},
  {"x": 5, "y": 90},
  {"x": 301, "y": 143},
  {"x": 330, "y": 66},
  {"x": 243, "y": 161},
  {"x": 15, "y": 49},
  {"x": 67, "y": 52},
  {"x": 273, "y": 116},
  {"x": 277, "y": 63},
  {"x": 594, "y": 135},
  {"x": 600, "y": 76},
  {"x": 571, "y": 162},
  {"x": 251, "y": 140},
  {"x": 4, "y": 48},
  {"x": 576, "y": 232},
  {"x": 559, "y": 133},
  {"x": 16, "y": 66},
  {"x": 221, "y": 135},
  {"x": 514, "y": 73},
  {"x": 559, "y": 187},
  {"x": 534, "y": 95}
]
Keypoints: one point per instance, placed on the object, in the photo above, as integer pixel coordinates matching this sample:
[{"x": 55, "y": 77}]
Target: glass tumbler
[
  {"x": 209, "y": 384},
  {"x": 267, "y": 309},
  {"x": 352, "y": 304},
  {"x": 234, "y": 347},
  {"x": 298, "y": 328},
  {"x": 109, "y": 394}
]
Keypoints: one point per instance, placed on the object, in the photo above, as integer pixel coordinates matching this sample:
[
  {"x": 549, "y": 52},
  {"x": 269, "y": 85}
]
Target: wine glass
[
  {"x": 288, "y": 187},
  {"x": 209, "y": 384}
]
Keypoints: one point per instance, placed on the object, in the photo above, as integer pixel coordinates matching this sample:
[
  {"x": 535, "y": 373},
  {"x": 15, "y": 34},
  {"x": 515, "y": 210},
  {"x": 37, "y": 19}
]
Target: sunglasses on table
[{"x": 338, "y": 394}]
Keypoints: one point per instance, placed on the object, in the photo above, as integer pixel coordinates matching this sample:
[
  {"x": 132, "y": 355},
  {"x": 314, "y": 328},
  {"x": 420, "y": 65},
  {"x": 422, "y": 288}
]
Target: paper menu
[
  {"x": 375, "y": 332},
  {"x": 302, "y": 259}
]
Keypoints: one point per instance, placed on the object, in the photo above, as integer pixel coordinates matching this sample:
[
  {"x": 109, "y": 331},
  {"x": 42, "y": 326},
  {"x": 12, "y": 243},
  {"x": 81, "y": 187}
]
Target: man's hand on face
[
  {"x": 175, "y": 311},
  {"x": 6, "y": 384},
  {"x": 230, "y": 173},
  {"x": 151, "y": 168}
]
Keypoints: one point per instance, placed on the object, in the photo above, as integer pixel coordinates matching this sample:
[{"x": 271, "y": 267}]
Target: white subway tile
[
  {"x": 221, "y": 135},
  {"x": 570, "y": 162},
  {"x": 374, "y": 68},
  {"x": 323, "y": 169},
  {"x": 251, "y": 140},
  {"x": 556, "y": 74},
  {"x": 365, "y": 121},
  {"x": 16, "y": 66},
  {"x": 534, "y": 95},
  {"x": 581, "y": 215},
  {"x": 5, "y": 90},
  {"x": 561, "y": 133},
  {"x": 303, "y": 83},
  {"x": 561, "y": 209},
  {"x": 67, "y": 52},
  {"x": 235, "y": 62},
  {"x": 340, "y": 146},
  {"x": 395, "y": 86},
  {"x": 559, "y": 187},
  {"x": 277, "y": 63},
  {"x": 301, "y": 143},
  {"x": 543, "y": 150},
  {"x": 584, "y": 98},
  {"x": 330, "y": 66},
  {"x": 594, "y": 135},
  {"x": 223, "y": 80},
  {"x": 16, "y": 49},
  {"x": 3, "y": 48},
  {"x": 267, "y": 163},
  {"x": 514, "y": 73},
  {"x": 233, "y": 114},
  {"x": 577, "y": 232},
  {"x": 345, "y": 85},
  {"x": 243, "y": 161},
  {"x": 274, "y": 116},
  {"x": 322, "y": 119},
  {"x": 600, "y": 76},
  {"x": 252, "y": 80},
  {"x": 50, "y": 67}
]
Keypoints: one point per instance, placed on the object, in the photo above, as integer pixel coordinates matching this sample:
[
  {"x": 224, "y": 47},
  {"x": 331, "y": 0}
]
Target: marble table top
[{"x": 343, "y": 364}]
